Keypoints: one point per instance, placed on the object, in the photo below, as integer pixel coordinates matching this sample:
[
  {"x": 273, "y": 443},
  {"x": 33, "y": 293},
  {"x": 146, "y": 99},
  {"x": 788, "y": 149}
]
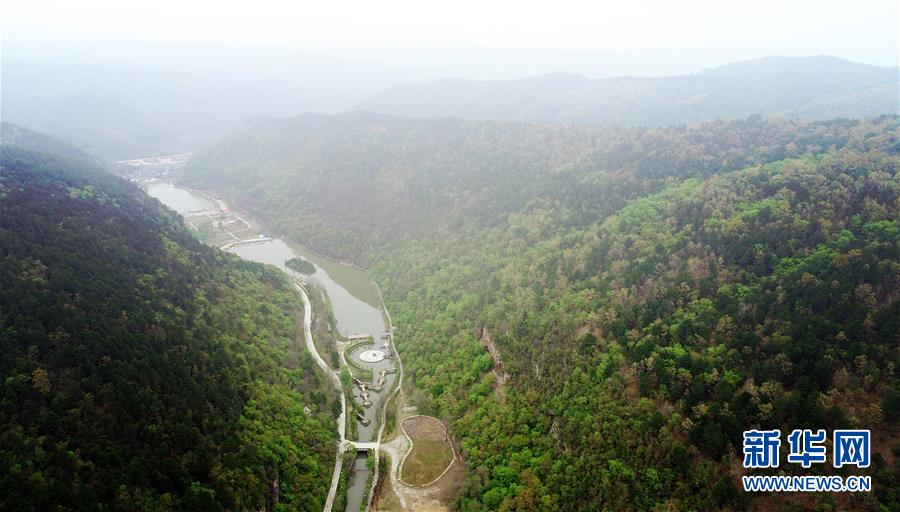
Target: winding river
[{"x": 354, "y": 301}]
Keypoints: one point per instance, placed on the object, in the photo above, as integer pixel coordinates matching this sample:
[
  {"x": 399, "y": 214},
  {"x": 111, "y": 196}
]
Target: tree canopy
[
  {"x": 599, "y": 313},
  {"x": 141, "y": 369}
]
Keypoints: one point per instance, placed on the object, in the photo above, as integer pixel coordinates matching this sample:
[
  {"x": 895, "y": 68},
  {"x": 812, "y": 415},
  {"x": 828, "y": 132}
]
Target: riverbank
[
  {"x": 336, "y": 381},
  {"x": 352, "y": 314},
  {"x": 367, "y": 290}
]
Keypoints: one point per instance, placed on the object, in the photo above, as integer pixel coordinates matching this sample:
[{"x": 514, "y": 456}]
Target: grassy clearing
[{"x": 431, "y": 452}]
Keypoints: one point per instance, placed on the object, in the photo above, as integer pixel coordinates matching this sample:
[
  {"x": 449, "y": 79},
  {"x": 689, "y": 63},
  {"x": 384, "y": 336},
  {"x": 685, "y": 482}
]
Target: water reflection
[
  {"x": 354, "y": 303},
  {"x": 354, "y": 316},
  {"x": 356, "y": 489},
  {"x": 176, "y": 198}
]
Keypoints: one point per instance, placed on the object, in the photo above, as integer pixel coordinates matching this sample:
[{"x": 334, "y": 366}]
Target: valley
[
  {"x": 450, "y": 257},
  {"x": 632, "y": 281},
  {"x": 568, "y": 321},
  {"x": 355, "y": 318}
]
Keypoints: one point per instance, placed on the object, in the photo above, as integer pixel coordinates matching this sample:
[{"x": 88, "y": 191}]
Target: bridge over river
[
  {"x": 360, "y": 447},
  {"x": 248, "y": 241}
]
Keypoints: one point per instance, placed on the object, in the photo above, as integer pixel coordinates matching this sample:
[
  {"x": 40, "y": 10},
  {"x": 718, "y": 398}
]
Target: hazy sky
[{"x": 464, "y": 38}]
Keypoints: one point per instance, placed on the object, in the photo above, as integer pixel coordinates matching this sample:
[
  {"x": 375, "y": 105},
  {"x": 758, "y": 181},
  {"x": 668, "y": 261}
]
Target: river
[
  {"x": 181, "y": 200},
  {"x": 354, "y": 302}
]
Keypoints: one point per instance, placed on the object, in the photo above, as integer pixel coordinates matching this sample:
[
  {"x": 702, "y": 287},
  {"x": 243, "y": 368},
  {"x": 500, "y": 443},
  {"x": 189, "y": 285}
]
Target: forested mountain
[
  {"x": 142, "y": 370},
  {"x": 154, "y": 104},
  {"x": 333, "y": 178},
  {"x": 812, "y": 87},
  {"x": 122, "y": 113},
  {"x": 23, "y": 138},
  {"x": 599, "y": 313}
]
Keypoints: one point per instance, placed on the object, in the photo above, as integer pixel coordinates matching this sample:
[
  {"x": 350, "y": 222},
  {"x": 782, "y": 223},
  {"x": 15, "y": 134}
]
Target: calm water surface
[
  {"x": 181, "y": 200},
  {"x": 353, "y": 299},
  {"x": 352, "y": 296},
  {"x": 354, "y": 315}
]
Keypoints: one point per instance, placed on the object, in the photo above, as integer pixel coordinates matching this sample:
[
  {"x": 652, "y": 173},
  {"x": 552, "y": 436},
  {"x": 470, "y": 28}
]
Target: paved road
[
  {"x": 333, "y": 377},
  {"x": 397, "y": 386}
]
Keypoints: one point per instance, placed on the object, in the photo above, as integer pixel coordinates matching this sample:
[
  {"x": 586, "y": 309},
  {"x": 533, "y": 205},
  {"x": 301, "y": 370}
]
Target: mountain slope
[
  {"x": 330, "y": 179},
  {"x": 812, "y": 87},
  {"x": 118, "y": 113},
  {"x": 637, "y": 349},
  {"x": 12, "y": 135},
  {"x": 599, "y": 313},
  {"x": 141, "y": 369}
]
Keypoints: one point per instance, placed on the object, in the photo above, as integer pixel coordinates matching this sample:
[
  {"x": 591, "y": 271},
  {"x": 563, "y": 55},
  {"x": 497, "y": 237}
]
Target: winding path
[
  {"x": 333, "y": 377},
  {"x": 397, "y": 386},
  {"x": 336, "y": 381}
]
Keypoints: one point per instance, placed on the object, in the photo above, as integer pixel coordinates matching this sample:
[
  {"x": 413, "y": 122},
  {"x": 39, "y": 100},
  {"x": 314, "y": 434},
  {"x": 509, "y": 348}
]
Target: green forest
[
  {"x": 142, "y": 370},
  {"x": 300, "y": 265},
  {"x": 599, "y": 313}
]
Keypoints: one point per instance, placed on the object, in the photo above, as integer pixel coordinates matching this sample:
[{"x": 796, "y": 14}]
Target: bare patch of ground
[
  {"x": 431, "y": 450},
  {"x": 399, "y": 497}
]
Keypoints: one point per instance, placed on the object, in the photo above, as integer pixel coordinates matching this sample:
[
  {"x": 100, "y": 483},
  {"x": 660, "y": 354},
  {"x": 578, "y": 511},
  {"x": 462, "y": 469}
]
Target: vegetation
[
  {"x": 370, "y": 466},
  {"x": 141, "y": 369},
  {"x": 324, "y": 326},
  {"x": 401, "y": 180},
  {"x": 431, "y": 452},
  {"x": 23, "y": 138},
  {"x": 362, "y": 372},
  {"x": 340, "y": 496},
  {"x": 300, "y": 265},
  {"x": 647, "y": 293},
  {"x": 123, "y": 112}
]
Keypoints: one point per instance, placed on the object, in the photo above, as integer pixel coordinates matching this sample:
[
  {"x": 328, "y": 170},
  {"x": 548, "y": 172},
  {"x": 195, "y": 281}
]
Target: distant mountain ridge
[
  {"x": 117, "y": 113},
  {"x": 13, "y": 135},
  {"x": 819, "y": 87}
]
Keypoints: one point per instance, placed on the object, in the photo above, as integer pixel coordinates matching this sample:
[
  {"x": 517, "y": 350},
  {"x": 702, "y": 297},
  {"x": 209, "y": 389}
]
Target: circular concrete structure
[{"x": 371, "y": 356}]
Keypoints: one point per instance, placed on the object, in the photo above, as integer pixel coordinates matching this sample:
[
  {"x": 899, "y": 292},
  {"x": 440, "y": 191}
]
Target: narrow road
[
  {"x": 336, "y": 381},
  {"x": 397, "y": 386},
  {"x": 333, "y": 376}
]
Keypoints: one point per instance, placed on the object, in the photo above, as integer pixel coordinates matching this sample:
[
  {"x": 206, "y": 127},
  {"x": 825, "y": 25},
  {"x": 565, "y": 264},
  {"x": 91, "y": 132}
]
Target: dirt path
[{"x": 406, "y": 498}]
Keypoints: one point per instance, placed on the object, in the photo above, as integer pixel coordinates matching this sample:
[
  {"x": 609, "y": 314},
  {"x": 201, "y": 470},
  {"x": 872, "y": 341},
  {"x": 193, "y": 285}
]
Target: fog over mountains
[
  {"x": 810, "y": 87},
  {"x": 406, "y": 256},
  {"x": 597, "y": 286},
  {"x": 118, "y": 112},
  {"x": 142, "y": 108}
]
